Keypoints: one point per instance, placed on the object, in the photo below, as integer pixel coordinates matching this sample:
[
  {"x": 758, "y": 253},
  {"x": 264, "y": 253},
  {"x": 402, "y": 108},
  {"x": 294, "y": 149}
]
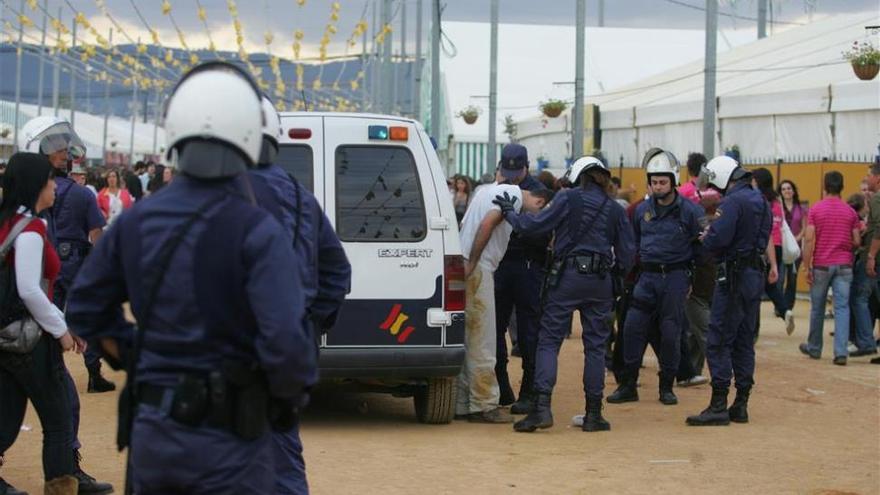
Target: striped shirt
[{"x": 834, "y": 221}]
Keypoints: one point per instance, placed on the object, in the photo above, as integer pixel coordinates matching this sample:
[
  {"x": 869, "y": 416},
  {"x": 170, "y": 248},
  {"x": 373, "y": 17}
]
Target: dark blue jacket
[
  {"x": 671, "y": 237},
  {"x": 610, "y": 234},
  {"x": 232, "y": 289},
  {"x": 74, "y": 214},
  {"x": 742, "y": 224}
]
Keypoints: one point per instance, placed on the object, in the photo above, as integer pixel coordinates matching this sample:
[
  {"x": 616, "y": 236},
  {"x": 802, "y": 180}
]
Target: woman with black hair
[
  {"x": 762, "y": 180},
  {"x": 796, "y": 217},
  {"x": 38, "y": 376}
]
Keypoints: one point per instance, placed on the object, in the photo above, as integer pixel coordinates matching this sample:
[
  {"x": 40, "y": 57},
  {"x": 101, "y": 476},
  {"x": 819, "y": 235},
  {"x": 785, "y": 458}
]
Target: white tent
[
  {"x": 90, "y": 128},
  {"x": 790, "y": 96}
]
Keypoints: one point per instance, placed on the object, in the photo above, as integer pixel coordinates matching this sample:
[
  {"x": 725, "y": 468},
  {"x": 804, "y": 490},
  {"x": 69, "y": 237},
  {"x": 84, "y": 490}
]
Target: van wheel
[{"x": 435, "y": 402}]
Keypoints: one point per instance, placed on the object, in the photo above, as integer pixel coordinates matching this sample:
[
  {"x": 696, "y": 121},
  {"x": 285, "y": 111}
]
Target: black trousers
[{"x": 39, "y": 377}]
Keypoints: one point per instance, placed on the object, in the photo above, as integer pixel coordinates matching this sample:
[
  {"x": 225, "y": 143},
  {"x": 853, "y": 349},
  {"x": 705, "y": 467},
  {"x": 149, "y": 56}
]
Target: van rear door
[{"x": 380, "y": 195}]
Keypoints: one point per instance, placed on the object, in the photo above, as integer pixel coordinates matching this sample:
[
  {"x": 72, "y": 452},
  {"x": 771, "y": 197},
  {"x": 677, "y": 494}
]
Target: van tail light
[
  {"x": 454, "y": 283},
  {"x": 299, "y": 133}
]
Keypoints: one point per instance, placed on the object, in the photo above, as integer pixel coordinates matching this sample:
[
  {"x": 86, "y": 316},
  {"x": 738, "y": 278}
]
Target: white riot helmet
[
  {"x": 272, "y": 132},
  {"x": 661, "y": 162},
  {"x": 215, "y": 103},
  {"x": 48, "y": 134},
  {"x": 719, "y": 172},
  {"x": 582, "y": 165}
]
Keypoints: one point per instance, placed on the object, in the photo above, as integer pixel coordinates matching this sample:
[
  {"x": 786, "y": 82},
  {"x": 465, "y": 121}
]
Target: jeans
[
  {"x": 787, "y": 279},
  {"x": 40, "y": 377},
  {"x": 774, "y": 291},
  {"x": 860, "y": 295},
  {"x": 839, "y": 277}
]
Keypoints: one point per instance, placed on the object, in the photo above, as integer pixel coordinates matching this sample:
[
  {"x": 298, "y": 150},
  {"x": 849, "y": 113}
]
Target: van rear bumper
[{"x": 390, "y": 362}]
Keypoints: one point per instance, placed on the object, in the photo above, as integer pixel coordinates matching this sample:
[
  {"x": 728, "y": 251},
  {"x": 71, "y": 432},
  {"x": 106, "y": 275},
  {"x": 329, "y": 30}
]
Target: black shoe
[
  {"x": 526, "y": 400},
  {"x": 540, "y": 417},
  {"x": 714, "y": 415},
  {"x": 840, "y": 360},
  {"x": 506, "y": 398},
  {"x": 876, "y": 360},
  {"x": 667, "y": 396},
  {"x": 805, "y": 349},
  {"x": 99, "y": 384},
  {"x": 739, "y": 411},
  {"x": 593, "y": 420},
  {"x": 7, "y": 489},
  {"x": 88, "y": 484},
  {"x": 626, "y": 391},
  {"x": 862, "y": 352}
]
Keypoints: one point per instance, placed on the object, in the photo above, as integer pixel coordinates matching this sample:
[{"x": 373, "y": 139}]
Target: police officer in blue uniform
[
  {"x": 667, "y": 229},
  {"x": 222, "y": 353},
  {"x": 75, "y": 222},
  {"x": 738, "y": 238},
  {"x": 326, "y": 273},
  {"x": 592, "y": 235},
  {"x": 517, "y": 289}
]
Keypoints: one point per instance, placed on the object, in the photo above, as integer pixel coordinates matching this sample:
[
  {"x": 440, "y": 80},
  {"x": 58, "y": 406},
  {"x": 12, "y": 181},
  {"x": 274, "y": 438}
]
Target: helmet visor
[
  {"x": 705, "y": 178},
  {"x": 61, "y": 137}
]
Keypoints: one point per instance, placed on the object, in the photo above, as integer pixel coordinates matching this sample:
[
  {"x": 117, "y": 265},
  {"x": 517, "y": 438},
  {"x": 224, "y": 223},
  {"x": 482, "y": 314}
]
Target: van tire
[{"x": 435, "y": 402}]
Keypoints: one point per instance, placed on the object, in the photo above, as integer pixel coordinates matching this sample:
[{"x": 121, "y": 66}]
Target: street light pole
[
  {"x": 709, "y": 78},
  {"x": 435, "y": 69},
  {"x": 491, "y": 159},
  {"x": 577, "y": 113},
  {"x": 19, "y": 52}
]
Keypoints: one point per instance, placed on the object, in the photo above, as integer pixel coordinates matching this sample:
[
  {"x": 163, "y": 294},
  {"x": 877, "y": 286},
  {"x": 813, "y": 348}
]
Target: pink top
[
  {"x": 796, "y": 215},
  {"x": 834, "y": 221},
  {"x": 776, "y": 229},
  {"x": 690, "y": 191}
]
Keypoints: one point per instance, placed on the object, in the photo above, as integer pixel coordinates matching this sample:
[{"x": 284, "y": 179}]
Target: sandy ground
[{"x": 815, "y": 428}]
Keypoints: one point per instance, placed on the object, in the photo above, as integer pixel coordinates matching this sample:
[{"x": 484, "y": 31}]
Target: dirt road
[{"x": 815, "y": 428}]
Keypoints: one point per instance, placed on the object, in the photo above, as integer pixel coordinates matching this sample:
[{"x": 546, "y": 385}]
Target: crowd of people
[
  {"x": 691, "y": 276},
  {"x": 234, "y": 254}
]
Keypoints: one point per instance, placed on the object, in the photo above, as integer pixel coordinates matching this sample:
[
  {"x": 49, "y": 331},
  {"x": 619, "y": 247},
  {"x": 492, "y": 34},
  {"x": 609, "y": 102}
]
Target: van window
[
  {"x": 297, "y": 160},
  {"x": 378, "y": 195}
]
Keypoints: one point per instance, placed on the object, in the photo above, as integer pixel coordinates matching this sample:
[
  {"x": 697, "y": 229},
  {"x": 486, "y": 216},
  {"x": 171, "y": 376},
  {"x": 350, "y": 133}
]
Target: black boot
[
  {"x": 539, "y": 417},
  {"x": 716, "y": 414},
  {"x": 526, "y": 400},
  {"x": 97, "y": 383},
  {"x": 739, "y": 412},
  {"x": 667, "y": 396},
  {"x": 594, "y": 421},
  {"x": 626, "y": 391},
  {"x": 88, "y": 484}
]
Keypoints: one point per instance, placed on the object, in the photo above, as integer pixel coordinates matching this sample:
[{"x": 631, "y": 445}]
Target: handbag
[
  {"x": 19, "y": 333},
  {"x": 791, "y": 251}
]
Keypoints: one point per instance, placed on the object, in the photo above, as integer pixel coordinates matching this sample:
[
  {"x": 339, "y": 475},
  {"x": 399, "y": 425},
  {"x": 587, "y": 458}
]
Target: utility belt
[
  {"x": 236, "y": 400},
  {"x": 728, "y": 270},
  {"x": 585, "y": 264},
  {"x": 69, "y": 249},
  {"x": 665, "y": 268}
]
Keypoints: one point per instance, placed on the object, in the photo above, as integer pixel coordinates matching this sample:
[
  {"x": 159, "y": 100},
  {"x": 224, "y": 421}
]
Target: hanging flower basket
[
  {"x": 469, "y": 114},
  {"x": 552, "y": 108},
  {"x": 866, "y": 72},
  {"x": 865, "y": 60}
]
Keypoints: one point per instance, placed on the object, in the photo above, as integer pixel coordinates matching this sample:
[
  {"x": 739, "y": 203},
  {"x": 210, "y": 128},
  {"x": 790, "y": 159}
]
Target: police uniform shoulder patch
[{"x": 648, "y": 215}]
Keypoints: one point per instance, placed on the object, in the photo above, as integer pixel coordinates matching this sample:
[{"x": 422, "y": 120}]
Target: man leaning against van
[{"x": 484, "y": 237}]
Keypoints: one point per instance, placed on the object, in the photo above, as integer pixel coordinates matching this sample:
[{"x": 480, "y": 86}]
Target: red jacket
[{"x": 104, "y": 201}]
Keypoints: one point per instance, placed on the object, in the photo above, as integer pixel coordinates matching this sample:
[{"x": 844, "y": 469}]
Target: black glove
[{"x": 506, "y": 202}]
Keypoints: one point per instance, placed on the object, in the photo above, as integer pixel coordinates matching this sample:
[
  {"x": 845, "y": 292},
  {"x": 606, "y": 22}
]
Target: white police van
[{"x": 378, "y": 178}]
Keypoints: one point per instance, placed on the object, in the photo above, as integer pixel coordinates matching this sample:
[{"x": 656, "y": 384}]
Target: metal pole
[
  {"x": 374, "y": 59},
  {"x": 106, "y": 108},
  {"x": 762, "y": 19},
  {"x": 402, "y": 59},
  {"x": 577, "y": 113},
  {"x": 56, "y": 71},
  {"x": 435, "y": 69},
  {"x": 19, "y": 52},
  {"x": 42, "y": 57},
  {"x": 387, "y": 70},
  {"x": 491, "y": 159},
  {"x": 601, "y": 13},
  {"x": 417, "y": 67},
  {"x": 156, "y": 120},
  {"x": 364, "y": 71},
  {"x": 134, "y": 112},
  {"x": 709, "y": 78},
  {"x": 73, "y": 80}
]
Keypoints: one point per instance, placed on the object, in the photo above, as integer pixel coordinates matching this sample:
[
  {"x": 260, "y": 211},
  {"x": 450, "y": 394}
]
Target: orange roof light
[{"x": 398, "y": 133}]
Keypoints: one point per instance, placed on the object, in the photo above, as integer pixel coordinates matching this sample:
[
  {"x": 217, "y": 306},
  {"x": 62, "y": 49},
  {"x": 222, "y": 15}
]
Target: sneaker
[
  {"x": 805, "y": 349},
  {"x": 862, "y": 352},
  {"x": 693, "y": 381},
  {"x": 8, "y": 489},
  {"x": 789, "y": 322},
  {"x": 840, "y": 360},
  {"x": 492, "y": 416}
]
